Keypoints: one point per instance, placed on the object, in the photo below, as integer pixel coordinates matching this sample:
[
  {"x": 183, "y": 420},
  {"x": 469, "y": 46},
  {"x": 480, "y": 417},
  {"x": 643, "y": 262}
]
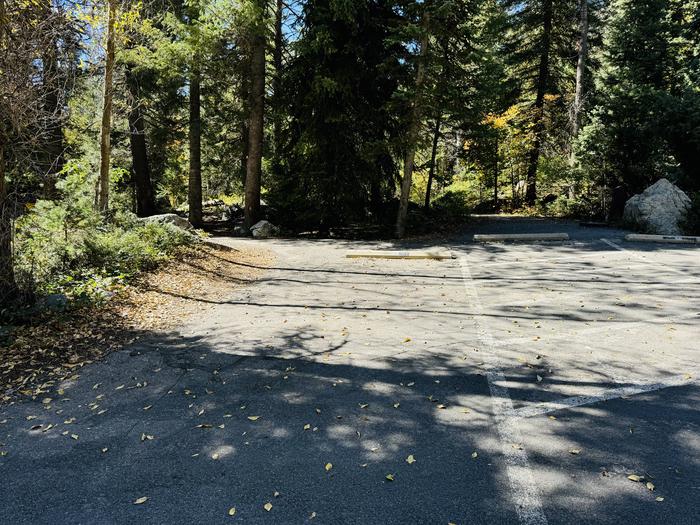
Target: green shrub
[
  {"x": 67, "y": 248},
  {"x": 452, "y": 205}
]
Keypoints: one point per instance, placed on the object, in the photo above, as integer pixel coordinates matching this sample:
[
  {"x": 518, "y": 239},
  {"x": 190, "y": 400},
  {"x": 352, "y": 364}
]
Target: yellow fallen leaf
[
  {"x": 74, "y": 436},
  {"x": 410, "y": 459},
  {"x": 267, "y": 507},
  {"x": 141, "y": 500},
  {"x": 254, "y": 418},
  {"x": 232, "y": 511},
  {"x": 659, "y": 498},
  {"x": 635, "y": 478},
  {"x": 307, "y": 426},
  {"x": 575, "y": 451},
  {"x": 475, "y": 455},
  {"x": 329, "y": 466},
  {"x": 650, "y": 486},
  {"x": 389, "y": 477}
]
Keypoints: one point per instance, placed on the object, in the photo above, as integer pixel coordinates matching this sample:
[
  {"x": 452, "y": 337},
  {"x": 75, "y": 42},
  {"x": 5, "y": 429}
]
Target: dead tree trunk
[
  {"x": 433, "y": 155},
  {"x": 102, "y": 197},
  {"x": 255, "y": 130},
  {"x": 194, "y": 193},
  {"x": 413, "y": 129},
  {"x": 542, "y": 83}
]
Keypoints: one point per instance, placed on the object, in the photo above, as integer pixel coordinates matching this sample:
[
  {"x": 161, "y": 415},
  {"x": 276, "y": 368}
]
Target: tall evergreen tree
[{"x": 539, "y": 44}]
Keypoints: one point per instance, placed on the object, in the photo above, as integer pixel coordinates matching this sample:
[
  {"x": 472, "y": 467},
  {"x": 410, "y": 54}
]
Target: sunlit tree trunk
[
  {"x": 413, "y": 130},
  {"x": 102, "y": 197},
  {"x": 542, "y": 82},
  {"x": 194, "y": 195},
  {"x": 495, "y": 177},
  {"x": 433, "y": 155},
  {"x": 255, "y": 129}
]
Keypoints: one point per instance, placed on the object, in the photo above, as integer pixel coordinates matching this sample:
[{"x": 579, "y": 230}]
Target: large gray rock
[
  {"x": 264, "y": 230},
  {"x": 170, "y": 218},
  {"x": 660, "y": 209}
]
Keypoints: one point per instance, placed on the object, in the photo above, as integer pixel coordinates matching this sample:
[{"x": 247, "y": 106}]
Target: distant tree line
[{"x": 336, "y": 112}]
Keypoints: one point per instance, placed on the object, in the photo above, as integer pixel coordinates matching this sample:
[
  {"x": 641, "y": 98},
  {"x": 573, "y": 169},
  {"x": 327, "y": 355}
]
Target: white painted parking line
[
  {"x": 604, "y": 326},
  {"x": 614, "y": 393},
  {"x": 644, "y": 259},
  {"x": 526, "y": 497}
]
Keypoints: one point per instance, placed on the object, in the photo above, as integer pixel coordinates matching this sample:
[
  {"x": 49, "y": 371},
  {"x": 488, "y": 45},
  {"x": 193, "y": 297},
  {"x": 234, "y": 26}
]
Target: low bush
[{"x": 67, "y": 248}]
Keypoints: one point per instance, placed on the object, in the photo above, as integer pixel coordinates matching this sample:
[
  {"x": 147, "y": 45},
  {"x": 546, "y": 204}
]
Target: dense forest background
[{"x": 326, "y": 114}]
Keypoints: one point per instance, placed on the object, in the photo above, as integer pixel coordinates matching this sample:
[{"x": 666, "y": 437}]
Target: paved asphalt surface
[{"x": 528, "y": 381}]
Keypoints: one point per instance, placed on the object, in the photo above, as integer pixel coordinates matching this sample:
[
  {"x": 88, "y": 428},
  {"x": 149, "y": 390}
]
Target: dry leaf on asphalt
[{"x": 141, "y": 500}]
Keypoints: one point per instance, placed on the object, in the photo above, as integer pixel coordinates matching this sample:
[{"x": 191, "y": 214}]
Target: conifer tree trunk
[
  {"x": 255, "y": 130},
  {"x": 542, "y": 82},
  {"x": 495, "y": 177},
  {"x": 433, "y": 155},
  {"x": 414, "y": 128},
  {"x": 141, "y": 173},
  {"x": 102, "y": 197},
  {"x": 277, "y": 82},
  {"x": 8, "y": 287},
  {"x": 54, "y": 157},
  {"x": 580, "y": 71},
  {"x": 194, "y": 194}
]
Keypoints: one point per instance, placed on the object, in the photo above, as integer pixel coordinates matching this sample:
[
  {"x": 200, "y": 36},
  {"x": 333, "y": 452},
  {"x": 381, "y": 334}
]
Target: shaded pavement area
[{"x": 517, "y": 383}]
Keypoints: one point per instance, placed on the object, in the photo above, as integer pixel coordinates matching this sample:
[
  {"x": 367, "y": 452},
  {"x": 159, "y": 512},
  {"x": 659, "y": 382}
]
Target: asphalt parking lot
[{"x": 516, "y": 383}]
